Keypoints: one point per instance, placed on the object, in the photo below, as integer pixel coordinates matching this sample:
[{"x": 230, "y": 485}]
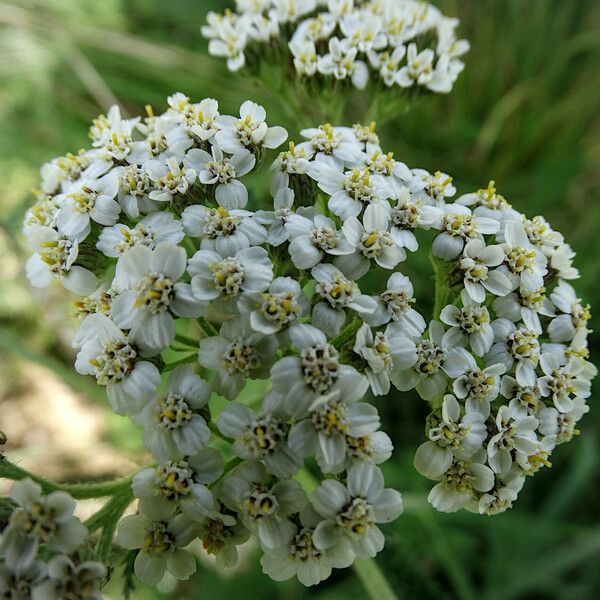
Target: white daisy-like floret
[
  {"x": 214, "y": 276},
  {"x": 452, "y": 437},
  {"x": 236, "y": 354},
  {"x": 563, "y": 383},
  {"x": 312, "y": 239},
  {"x": 263, "y": 503},
  {"x": 525, "y": 306},
  {"x": 574, "y": 315},
  {"x": 277, "y": 309},
  {"x": 341, "y": 62},
  {"x": 458, "y": 226},
  {"x": 180, "y": 483},
  {"x": 351, "y": 512},
  {"x": 198, "y": 120},
  {"x": 67, "y": 578},
  {"x": 134, "y": 189},
  {"x": 150, "y": 293},
  {"x": 501, "y": 496},
  {"x": 488, "y": 203},
  {"x": 469, "y": 325},
  {"x": 54, "y": 260},
  {"x": 524, "y": 265},
  {"x": 150, "y": 231},
  {"x": 262, "y": 437},
  {"x": 225, "y": 231},
  {"x": 514, "y": 434},
  {"x": 432, "y": 189},
  {"x": 169, "y": 179},
  {"x": 418, "y": 69},
  {"x": 337, "y": 293},
  {"x": 338, "y": 144},
  {"x": 22, "y": 581},
  {"x": 477, "y": 386},
  {"x": 229, "y": 39},
  {"x": 394, "y": 306},
  {"x": 518, "y": 345},
  {"x": 331, "y": 418},
  {"x": 479, "y": 276},
  {"x": 223, "y": 173},
  {"x": 249, "y": 131},
  {"x": 523, "y": 400},
  {"x": 315, "y": 372},
  {"x": 426, "y": 364},
  {"x": 117, "y": 363},
  {"x": 38, "y": 520},
  {"x": 288, "y": 164},
  {"x": 88, "y": 200},
  {"x": 114, "y": 134},
  {"x": 302, "y": 559},
  {"x": 371, "y": 241},
  {"x": 561, "y": 427},
  {"x": 161, "y": 543},
  {"x": 174, "y": 425}
]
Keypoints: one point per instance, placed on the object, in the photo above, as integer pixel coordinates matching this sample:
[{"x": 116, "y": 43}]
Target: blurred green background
[{"x": 525, "y": 112}]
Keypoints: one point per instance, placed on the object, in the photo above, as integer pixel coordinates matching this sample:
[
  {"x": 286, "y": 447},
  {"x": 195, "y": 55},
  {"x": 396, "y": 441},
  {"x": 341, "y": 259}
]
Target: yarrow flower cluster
[
  {"x": 187, "y": 295},
  {"x": 404, "y": 43}
]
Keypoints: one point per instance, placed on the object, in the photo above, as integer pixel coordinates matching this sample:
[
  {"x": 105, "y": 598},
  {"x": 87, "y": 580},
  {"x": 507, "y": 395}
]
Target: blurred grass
[{"x": 525, "y": 112}]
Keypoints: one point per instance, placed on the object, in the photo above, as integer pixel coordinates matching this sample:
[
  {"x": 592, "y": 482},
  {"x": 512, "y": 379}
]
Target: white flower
[
  {"x": 115, "y": 362},
  {"x": 276, "y": 309},
  {"x": 173, "y": 424},
  {"x": 561, "y": 427},
  {"x": 424, "y": 365},
  {"x": 574, "y": 315},
  {"x": 388, "y": 64},
  {"x": 341, "y": 62},
  {"x": 315, "y": 372},
  {"x": 312, "y": 239},
  {"x": 524, "y": 400},
  {"x": 114, "y": 134},
  {"x": 198, "y": 120},
  {"x": 458, "y": 226},
  {"x": 337, "y": 293},
  {"x": 250, "y": 131},
  {"x": 301, "y": 558},
  {"x": 150, "y": 293},
  {"x": 523, "y": 264},
  {"x": 459, "y": 484},
  {"x": 169, "y": 179},
  {"x": 478, "y": 276},
  {"x": 180, "y": 483},
  {"x": 515, "y": 433},
  {"x": 55, "y": 260},
  {"x": 260, "y": 437},
  {"x": 263, "y": 504},
  {"x": 407, "y": 216},
  {"x": 394, "y": 306},
  {"x": 88, "y": 200},
  {"x": 19, "y": 584},
  {"x": 501, "y": 497},
  {"x": 525, "y": 306},
  {"x": 372, "y": 241},
  {"x": 469, "y": 325},
  {"x": 338, "y": 143},
  {"x": 478, "y": 386},
  {"x": 305, "y": 57},
  {"x": 350, "y": 191},
  {"x": 134, "y": 190},
  {"x": 223, "y": 173},
  {"x": 46, "y": 520},
  {"x": 351, "y": 512},
  {"x": 563, "y": 383},
  {"x": 488, "y": 203},
  {"x": 150, "y": 231},
  {"x": 432, "y": 189},
  {"x": 229, "y": 41},
  {"x": 68, "y": 579},
  {"x": 214, "y": 277},
  {"x": 452, "y": 436},
  {"x": 237, "y": 353},
  {"x": 161, "y": 545},
  {"x": 515, "y": 344},
  {"x": 221, "y": 230},
  {"x": 286, "y": 165},
  {"x": 330, "y": 419},
  {"x": 418, "y": 69}
]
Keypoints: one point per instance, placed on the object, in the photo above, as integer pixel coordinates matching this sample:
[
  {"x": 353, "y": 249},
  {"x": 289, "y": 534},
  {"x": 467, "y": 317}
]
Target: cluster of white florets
[
  {"x": 36, "y": 522},
  {"x": 151, "y": 227},
  {"x": 404, "y": 43}
]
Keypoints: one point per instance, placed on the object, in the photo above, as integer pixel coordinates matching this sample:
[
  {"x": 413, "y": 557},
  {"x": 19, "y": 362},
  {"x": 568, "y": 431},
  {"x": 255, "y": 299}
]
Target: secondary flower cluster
[
  {"x": 46, "y": 521},
  {"x": 179, "y": 279},
  {"x": 407, "y": 43}
]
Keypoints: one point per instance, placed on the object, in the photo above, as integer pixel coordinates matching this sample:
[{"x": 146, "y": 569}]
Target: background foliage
[{"x": 524, "y": 113}]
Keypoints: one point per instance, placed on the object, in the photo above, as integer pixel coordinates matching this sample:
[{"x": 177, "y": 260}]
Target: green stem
[
  {"x": 207, "y": 328},
  {"x": 215, "y": 431},
  {"x": 184, "y": 361},
  {"x": 442, "y": 292},
  {"x": 79, "y": 491},
  {"x": 346, "y": 334},
  {"x": 188, "y": 341}
]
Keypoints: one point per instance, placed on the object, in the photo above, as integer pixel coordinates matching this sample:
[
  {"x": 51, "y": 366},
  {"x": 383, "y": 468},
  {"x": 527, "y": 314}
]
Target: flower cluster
[
  {"x": 179, "y": 279},
  {"x": 46, "y": 522},
  {"x": 405, "y": 43}
]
